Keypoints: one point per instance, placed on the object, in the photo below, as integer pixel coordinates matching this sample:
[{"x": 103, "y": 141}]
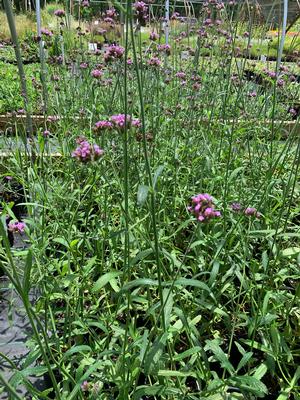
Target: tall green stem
[{"x": 14, "y": 36}]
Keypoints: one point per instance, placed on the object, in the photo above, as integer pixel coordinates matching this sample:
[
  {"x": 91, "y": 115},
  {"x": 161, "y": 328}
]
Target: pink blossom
[
  {"x": 97, "y": 73},
  {"x": 180, "y": 75},
  {"x": 102, "y": 125},
  {"x": 154, "y": 61},
  {"x": 203, "y": 208},
  {"x": 153, "y": 36},
  {"x": 46, "y": 32},
  {"x": 113, "y": 52},
  {"x": 83, "y": 65},
  {"x": 17, "y": 227},
  {"x": 120, "y": 122},
  {"x": 252, "y": 212},
  {"x": 87, "y": 152},
  {"x": 166, "y": 48},
  {"x": 59, "y": 13}
]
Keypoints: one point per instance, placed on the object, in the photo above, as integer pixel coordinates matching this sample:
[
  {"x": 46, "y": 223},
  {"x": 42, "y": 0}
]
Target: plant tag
[
  {"x": 263, "y": 58},
  {"x": 92, "y": 46},
  {"x": 185, "y": 55}
]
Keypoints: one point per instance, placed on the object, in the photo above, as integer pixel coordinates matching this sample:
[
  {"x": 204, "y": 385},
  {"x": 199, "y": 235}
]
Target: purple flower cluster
[
  {"x": 141, "y": 11},
  {"x": 46, "y": 32},
  {"x": 119, "y": 121},
  {"x": 111, "y": 13},
  {"x": 83, "y": 65},
  {"x": 154, "y": 61},
  {"x": 175, "y": 16},
  {"x": 59, "y": 13},
  {"x": 166, "y": 48},
  {"x": 252, "y": 212},
  {"x": 249, "y": 211},
  {"x": 180, "y": 75},
  {"x": 203, "y": 207},
  {"x": 102, "y": 125},
  {"x": 153, "y": 36},
  {"x": 113, "y": 52},
  {"x": 97, "y": 73},
  {"x": 87, "y": 152},
  {"x": 17, "y": 227}
]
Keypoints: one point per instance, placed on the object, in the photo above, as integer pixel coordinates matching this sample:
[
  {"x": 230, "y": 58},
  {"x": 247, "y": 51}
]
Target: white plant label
[{"x": 92, "y": 46}]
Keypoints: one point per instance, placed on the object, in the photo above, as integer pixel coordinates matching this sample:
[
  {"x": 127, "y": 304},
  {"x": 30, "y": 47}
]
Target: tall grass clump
[{"x": 162, "y": 216}]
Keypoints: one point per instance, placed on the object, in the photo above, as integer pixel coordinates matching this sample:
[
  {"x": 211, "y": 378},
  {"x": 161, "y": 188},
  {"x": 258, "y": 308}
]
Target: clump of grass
[{"x": 24, "y": 24}]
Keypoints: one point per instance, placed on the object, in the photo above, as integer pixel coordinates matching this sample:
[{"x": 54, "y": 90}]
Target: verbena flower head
[
  {"x": 154, "y": 61},
  {"x": 111, "y": 13},
  {"x": 153, "y": 36},
  {"x": 109, "y": 20},
  {"x": 203, "y": 207},
  {"x": 59, "y": 13},
  {"x": 252, "y": 94},
  {"x": 175, "y": 16},
  {"x": 87, "y": 152},
  {"x": 102, "y": 125},
  {"x": 166, "y": 48},
  {"x": 120, "y": 122},
  {"x": 236, "y": 206},
  {"x": 180, "y": 75},
  {"x": 46, "y": 32},
  {"x": 113, "y": 52},
  {"x": 17, "y": 227},
  {"x": 85, "y": 386},
  {"x": 97, "y": 73},
  {"x": 252, "y": 212},
  {"x": 141, "y": 11},
  {"x": 83, "y": 65}
]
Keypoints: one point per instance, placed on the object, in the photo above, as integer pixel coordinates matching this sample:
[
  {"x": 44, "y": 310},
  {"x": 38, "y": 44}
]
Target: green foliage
[{"x": 138, "y": 299}]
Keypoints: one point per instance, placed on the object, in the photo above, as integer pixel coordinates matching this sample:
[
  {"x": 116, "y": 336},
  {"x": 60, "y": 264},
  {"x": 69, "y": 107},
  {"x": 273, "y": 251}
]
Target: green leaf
[
  {"x": 291, "y": 252},
  {"x": 77, "y": 349},
  {"x": 250, "y": 384},
  {"x": 219, "y": 354},
  {"x": 260, "y": 371},
  {"x": 257, "y": 346},
  {"x": 155, "y": 390},
  {"x": 244, "y": 361},
  {"x": 142, "y": 194},
  {"x": 36, "y": 371},
  {"x": 62, "y": 241},
  {"x": 235, "y": 173},
  {"x": 187, "y": 353},
  {"x": 139, "y": 283},
  {"x": 193, "y": 283},
  {"x": 140, "y": 256},
  {"x": 155, "y": 353},
  {"x": 104, "y": 280},
  {"x": 148, "y": 391},
  {"x": 165, "y": 372},
  {"x": 168, "y": 305},
  {"x": 157, "y": 173}
]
